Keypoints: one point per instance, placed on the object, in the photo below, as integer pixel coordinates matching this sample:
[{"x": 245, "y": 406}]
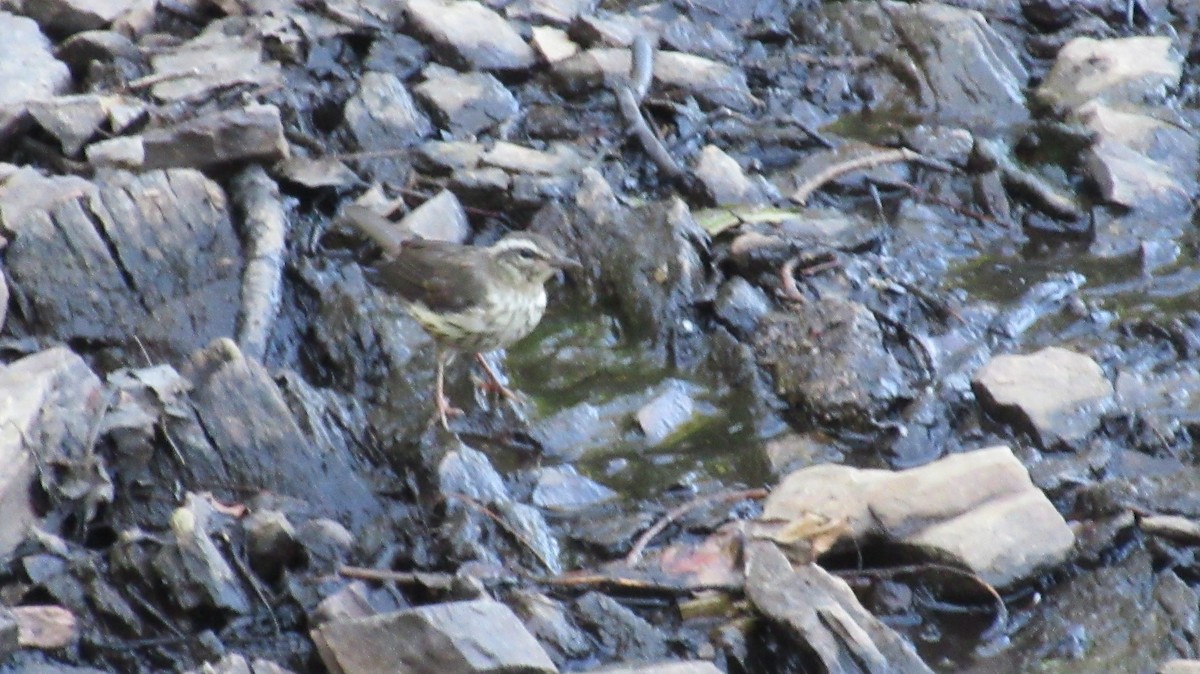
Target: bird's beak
[{"x": 566, "y": 263}]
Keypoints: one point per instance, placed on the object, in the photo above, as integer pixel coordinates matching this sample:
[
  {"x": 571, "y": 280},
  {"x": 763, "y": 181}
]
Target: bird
[{"x": 472, "y": 299}]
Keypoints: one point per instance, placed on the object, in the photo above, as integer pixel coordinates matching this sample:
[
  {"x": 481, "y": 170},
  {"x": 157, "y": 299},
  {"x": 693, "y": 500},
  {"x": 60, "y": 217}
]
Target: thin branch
[{"x": 864, "y": 162}]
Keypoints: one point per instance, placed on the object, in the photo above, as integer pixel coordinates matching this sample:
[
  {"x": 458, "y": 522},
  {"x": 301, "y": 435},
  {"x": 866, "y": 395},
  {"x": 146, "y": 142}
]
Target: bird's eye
[{"x": 527, "y": 254}]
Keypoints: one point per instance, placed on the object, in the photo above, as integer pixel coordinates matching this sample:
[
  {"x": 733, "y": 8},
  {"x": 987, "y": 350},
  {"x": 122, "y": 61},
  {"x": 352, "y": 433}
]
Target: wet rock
[
  {"x": 562, "y": 488},
  {"x": 553, "y": 44},
  {"x": 548, "y": 620},
  {"x": 622, "y": 633},
  {"x": 382, "y": 114},
  {"x": 954, "y": 67},
  {"x": 1134, "y": 69},
  {"x": 724, "y": 180},
  {"x": 1155, "y": 400},
  {"x": 457, "y": 637},
  {"x": 1139, "y": 161},
  {"x": 466, "y": 472},
  {"x": 465, "y": 103},
  {"x": 28, "y": 69},
  {"x": 819, "y": 613},
  {"x": 794, "y": 451},
  {"x": 1180, "y": 667},
  {"x": 50, "y": 400},
  {"x": 829, "y": 361},
  {"x": 65, "y": 17},
  {"x": 1055, "y": 395},
  {"x": 237, "y": 664},
  {"x": 471, "y": 35},
  {"x": 979, "y": 509},
  {"x": 396, "y": 53},
  {"x": 193, "y": 568},
  {"x": 227, "y": 54},
  {"x": 741, "y": 306},
  {"x": 667, "y": 413},
  {"x": 710, "y": 81},
  {"x": 441, "y": 218},
  {"x": 695, "y": 667},
  {"x": 157, "y": 249},
  {"x": 252, "y": 133},
  {"x": 271, "y": 543},
  {"x": 220, "y": 444}
]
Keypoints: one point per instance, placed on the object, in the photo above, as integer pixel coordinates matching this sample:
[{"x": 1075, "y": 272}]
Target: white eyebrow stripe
[{"x": 506, "y": 245}]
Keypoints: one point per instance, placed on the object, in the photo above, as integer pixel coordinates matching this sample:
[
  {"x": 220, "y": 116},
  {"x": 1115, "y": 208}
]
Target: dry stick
[
  {"x": 635, "y": 553},
  {"x": 384, "y": 576},
  {"x": 627, "y": 101},
  {"x": 151, "y": 80},
  {"x": 641, "y": 70},
  {"x": 264, "y": 225},
  {"x": 870, "y": 161}
]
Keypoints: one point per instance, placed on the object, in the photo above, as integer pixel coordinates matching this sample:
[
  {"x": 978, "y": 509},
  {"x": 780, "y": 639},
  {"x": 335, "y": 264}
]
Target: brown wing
[{"x": 443, "y": 276}]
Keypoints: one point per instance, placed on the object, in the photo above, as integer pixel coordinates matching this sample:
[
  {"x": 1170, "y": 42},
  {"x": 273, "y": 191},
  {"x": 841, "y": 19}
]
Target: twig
[
  {"x": 635, "y": 553},
  {"x": 641, "y": 71},
  {"x": 627, "y": 100},
  {"x": 865, "y": 162},
  {"x": 401, "y": 577},
  {"x": 158, "y": 78}
]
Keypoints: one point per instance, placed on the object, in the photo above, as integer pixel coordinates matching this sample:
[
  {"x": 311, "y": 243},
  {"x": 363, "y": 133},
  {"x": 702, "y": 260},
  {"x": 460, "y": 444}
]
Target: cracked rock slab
[
  {"x": 1132, "y": 69},
  {"x": 466, "y": 637},
  {"x": 252, "y": 133},
  {"x": 466, "y": 103},
  {"x": 979, "y": 509},
  {"x": 470, "y": 35}
]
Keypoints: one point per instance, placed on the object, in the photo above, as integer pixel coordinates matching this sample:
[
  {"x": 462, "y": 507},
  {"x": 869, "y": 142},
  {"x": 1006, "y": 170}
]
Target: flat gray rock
[
  {"x": 1136, "y": 69},
  {"x": 382, "y": 114},
  {"x": 252, "y": 133},
  {"x": 1056, "y": 395},
  {"x": 465, "y": 103},
  {"x": 712, "y": 82},
  {"x": 724, "y": 180},
  {"x": 212, "y": 61},
  {"x": 683, "y": 667},
  {"x": 441, "y": 218},
  {"x": 470, "y": 35},
  {"x": 467, "y": 637},
  {"x": 27, "y": 64},
  {"x": 73, "y": 120},
  {"x": 47, "y": 413},
  {"x": 979, "y": 508},
  {"x": 73, "y": 16}
]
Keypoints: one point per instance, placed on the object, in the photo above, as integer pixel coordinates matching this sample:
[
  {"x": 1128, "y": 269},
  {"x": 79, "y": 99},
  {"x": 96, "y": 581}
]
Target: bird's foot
[
  {"x": 445, "y": 410},
  {"x": 492, "y": 383}
]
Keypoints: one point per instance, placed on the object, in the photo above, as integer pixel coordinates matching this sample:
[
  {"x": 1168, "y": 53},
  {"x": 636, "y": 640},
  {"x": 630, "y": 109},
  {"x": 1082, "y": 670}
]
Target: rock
[
  {"x": 979, "y": 509},
  {"x": 741, "y": 306},
  {"x": 724, "y": 180},
  {"x": 157, "y": 249},
  {"x": 213, "y": 61},
  {"x": 9, "y": 632},
  {"x": 818, "y": 612},
  {"x": 327, "y": 544},
  {"x": 621, "y": 632},
  {"x": 382, "y": 114},
  {"x": 1055, "y": 395},
  {"x": 700, "y": 38},
  {"x": 667, "y": 413},
  {"x": 45, "y": 627},
  {"x": 547, "y": 619},
  {"x": 438, "y": 156},
  {"x": 65, "y": 17},
  {"x": 396, "y": 53},
  {"x": 1180, "y": 667},
  {"x": 1139, "y": 161},
  {"x": 471, "y": 35},
  {"x": 793, "y": 451},
  {"x": 105, "y": 46},
  {"x": 3, "y": 298},
  {"x": 554, "y": 12},
  {"x": 829, "y": 361},
  {"x": 692, "y": 667},
  {"x": 252, "y": 133},
  {"x": 271, "y": 544},
  {"x": 955, "y": 68},
  {"x": 47, "y": 410},
  {"x": 237, "y": 664},
  {"x": 465, "y": 637},
  {"x": 561, "y": 159},
  {"x": 192, "y": 567},
  {"x": 562, "y": 488},
  {"x": 1132, "y": 69},
  {"x": 710, "y": 81},
  {"x": 441, "y": 218},
  {"x": 126, "y": 152},
  {"x": 553, "y": 44},
  {"x": 316, "y": 173},
  {"x": 1154, "y": 400},
  {"x": 467, "y": 103},
  {"x": 73, "y": 120},
  {"x": 220, "y": 444},
  {"x": 27, "y": 65}
]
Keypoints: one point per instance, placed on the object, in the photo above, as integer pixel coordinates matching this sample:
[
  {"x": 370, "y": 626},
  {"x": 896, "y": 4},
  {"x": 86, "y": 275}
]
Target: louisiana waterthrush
[{"x": 470, "y": 299}]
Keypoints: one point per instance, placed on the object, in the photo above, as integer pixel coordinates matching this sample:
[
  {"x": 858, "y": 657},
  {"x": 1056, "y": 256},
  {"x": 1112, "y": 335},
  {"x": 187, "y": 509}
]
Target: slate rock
[
  {"x": 382, "y": 114},
  {"x": 467, "y": 103},
  {"x": 252, "y": 133},
  {"x": 1136, "y": 69},
  {"x": 471, "y": 35}
]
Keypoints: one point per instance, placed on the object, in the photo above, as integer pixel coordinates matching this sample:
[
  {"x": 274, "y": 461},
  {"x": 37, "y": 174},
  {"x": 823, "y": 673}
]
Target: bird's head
[{"x": 529, "y": 257}]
